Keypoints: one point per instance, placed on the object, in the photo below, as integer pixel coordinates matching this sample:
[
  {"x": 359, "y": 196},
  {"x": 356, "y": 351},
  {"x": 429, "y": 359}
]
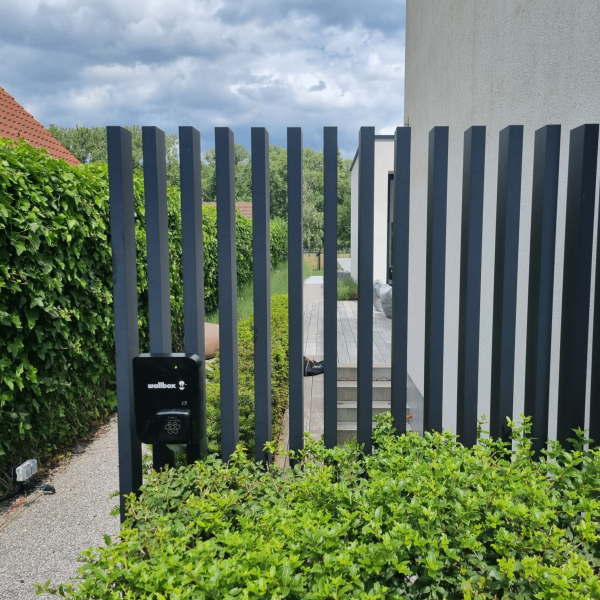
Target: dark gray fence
[{"x": 577, "y": 281}]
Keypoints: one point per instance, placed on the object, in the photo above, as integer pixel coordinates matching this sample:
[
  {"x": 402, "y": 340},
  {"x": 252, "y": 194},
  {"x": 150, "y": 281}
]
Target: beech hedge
[
  {"x": 56, "y": 314},
  {"x": 420, "y": 518}
]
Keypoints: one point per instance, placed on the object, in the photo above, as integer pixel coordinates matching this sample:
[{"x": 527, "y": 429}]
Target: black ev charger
[{"x": 166, "y": 390}]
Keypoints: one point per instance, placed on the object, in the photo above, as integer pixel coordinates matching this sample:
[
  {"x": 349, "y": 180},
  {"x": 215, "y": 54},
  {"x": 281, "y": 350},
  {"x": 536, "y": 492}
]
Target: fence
[{"x": 575, "y": 302}]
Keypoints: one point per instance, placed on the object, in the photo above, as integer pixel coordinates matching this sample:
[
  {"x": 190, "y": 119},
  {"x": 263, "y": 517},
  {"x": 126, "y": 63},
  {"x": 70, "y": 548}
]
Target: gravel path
[{"x": 44, "y": 538}]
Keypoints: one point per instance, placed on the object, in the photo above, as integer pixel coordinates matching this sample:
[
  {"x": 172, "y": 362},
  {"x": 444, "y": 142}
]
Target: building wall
[
  {"x": 479, "y": 62},
  {"x": 384, "y": 163}
]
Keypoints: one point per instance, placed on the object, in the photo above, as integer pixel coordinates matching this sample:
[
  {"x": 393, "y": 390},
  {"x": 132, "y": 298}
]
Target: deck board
[{"x": 347, "y": 328}]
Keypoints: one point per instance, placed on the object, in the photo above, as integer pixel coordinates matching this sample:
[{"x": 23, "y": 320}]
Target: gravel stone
[{"x": 44, "y": 538}]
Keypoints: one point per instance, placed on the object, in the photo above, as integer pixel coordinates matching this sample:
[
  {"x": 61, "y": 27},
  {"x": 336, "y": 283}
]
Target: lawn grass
[
  {"x": 279, "y": 285},
  {"x": 313, "y": 262},
  {"x": 245, "y": 299}
]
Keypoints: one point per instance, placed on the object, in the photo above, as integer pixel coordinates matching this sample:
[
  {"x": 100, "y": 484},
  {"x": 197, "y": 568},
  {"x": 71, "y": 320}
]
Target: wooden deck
[
  {"x": 346, "y": 343},
  {"x": 346, "y": 333}
]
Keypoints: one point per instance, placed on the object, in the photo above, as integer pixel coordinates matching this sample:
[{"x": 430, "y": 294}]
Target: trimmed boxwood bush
[
  {"x": 56, "y": 314},
  {"x": 420, "y": 518}
]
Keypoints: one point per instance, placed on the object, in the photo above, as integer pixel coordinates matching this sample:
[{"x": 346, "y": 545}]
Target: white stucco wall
[
  {"x": 384, "y": 163},
  {"x": 493, "y": 63}
]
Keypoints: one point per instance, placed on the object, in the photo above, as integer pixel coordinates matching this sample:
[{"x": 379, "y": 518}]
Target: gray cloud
[
  {"x": 318, "y": 88},
  {"x": 208, "y": 63}
]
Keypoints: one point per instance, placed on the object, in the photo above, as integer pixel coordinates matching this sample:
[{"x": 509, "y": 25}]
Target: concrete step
[
  {"x": 347, "y": 410},
  {"x": 347, "y": 431},
  {"x": 347, "y": 372},
  {"x": 347, "y": 390}
]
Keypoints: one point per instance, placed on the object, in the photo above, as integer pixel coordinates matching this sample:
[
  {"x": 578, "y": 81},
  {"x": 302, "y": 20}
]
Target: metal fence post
[
  {"x": 157, "y": 245},
  {"x": 125, "y": 302},
  {"x": 228, "y": 330},
  {"x": 364, "y": 342},
  {"x": 470, "y": 285},
  {"x": 577, "y": 275},
  {"x": 435, "y": 278},
  {"x": 262, "y": 289},
  {"x": 190, "y": 162},
  {"x": 508, "y": 209},
  {"x": 330, "y": 172},
  {"x": 400, "y": 249},
  {"x": 295, "y": 283},
  {"x": 595, "y": 382},
  {"x": 541, "y": 281}
]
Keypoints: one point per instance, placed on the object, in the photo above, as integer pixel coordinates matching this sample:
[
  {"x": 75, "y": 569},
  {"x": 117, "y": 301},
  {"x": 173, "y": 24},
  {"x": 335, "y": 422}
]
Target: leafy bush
[
  {"x": 347, "y": 289},
  {"x": 248, "y": 369},
  {"x": 56, "y": 324},
  {"x": 56, "y": 314},
  {"x": 420, "y": 518}
]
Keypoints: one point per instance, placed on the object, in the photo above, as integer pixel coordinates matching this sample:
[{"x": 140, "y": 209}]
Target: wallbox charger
[{"x": 166, "y": 390}]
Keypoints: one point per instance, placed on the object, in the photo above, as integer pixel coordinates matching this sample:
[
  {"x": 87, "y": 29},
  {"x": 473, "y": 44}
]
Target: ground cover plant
[
  {"x": 422, "y": 517},
  {"x": 56, "y": 314}
]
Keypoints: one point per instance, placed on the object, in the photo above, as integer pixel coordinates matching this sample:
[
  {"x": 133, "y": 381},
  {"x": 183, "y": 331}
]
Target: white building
[
  {"x": 474, "y": 62},
  {"x": 384, "y": 165}
]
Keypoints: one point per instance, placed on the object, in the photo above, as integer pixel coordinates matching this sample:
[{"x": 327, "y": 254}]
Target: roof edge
[{"x": 377, "y": 137}]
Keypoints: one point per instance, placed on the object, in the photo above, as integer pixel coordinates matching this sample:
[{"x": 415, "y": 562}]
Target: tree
[
  {"x": 243, "y": 175},
  {"x": 88, "y": 144}
]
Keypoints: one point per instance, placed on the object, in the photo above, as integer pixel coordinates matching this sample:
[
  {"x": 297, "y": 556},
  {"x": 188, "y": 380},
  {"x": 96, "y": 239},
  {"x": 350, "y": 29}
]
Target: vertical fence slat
[
  {"x": 595, "y": 382},
  {"x": 330, "y": 167},
  {"x": 508, "y": 209},
  {"x": 541, "y": 281},
  {"x": 579, "y": 232},
  {"x": 228, "y": 330},
  {"x": 470, "y": 285},
  {"x": 262, "y": 289},
  {"x": 295, "y": 281},
  {"x": 400, "y": 249},
  {"x": 157, "y": 245},
  {"x": 364, "y": 342},
  {"x": 125, "y": 302},
  {"x": 190, "y": 162},
  {"x": 435, "y": 278}
]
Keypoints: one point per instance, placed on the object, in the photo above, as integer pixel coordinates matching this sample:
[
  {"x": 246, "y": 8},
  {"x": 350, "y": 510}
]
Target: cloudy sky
[{"x": 207, "y": 63}]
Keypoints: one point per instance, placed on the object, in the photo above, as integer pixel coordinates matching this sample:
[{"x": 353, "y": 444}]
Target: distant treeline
[{"x": 88, "y": 144}]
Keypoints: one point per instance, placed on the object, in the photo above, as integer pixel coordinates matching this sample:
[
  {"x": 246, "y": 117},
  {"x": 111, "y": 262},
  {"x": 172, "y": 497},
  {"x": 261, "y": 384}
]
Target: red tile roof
[
  {"x": 16, "y": 122},
  {"x": 245, "y": 208}
]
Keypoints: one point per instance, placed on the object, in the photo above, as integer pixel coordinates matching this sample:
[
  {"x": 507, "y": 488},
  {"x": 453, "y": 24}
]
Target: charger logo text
[{"x": 162, "y": 385}]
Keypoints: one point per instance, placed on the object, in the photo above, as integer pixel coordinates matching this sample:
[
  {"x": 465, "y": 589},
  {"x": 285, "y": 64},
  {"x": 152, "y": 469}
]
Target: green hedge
[
  {"x": 56, "y": 317},
  {"x": 422, "y": 517},
  {"x": 248, "y": 370}
]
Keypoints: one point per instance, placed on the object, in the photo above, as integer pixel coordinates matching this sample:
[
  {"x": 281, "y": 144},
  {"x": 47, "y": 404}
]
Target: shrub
[
  {"x": 56, "y": 317},
  {"x": 56, "y": 325},
  {"x": 419, "y": 518},
  {"x": 347, "y": 289},
  {"x": 248, "y": 369}
]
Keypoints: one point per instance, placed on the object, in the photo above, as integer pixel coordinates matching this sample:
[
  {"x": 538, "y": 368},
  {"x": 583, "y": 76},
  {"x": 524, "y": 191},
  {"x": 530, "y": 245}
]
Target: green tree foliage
[
  {"x": 419, "y": 518},
  {"x": 313, "y": 189},
  {"x": 56, "y": 314},
  {"x": 243, "y": 175},
  {"x": 88, "y": 144}
]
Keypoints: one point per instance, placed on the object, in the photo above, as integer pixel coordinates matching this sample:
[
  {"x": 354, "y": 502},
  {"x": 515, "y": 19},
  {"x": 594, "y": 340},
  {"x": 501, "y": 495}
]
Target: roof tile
[
  {"x": 16, "y": 122},
  {"x": 245, "y": 208}
]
